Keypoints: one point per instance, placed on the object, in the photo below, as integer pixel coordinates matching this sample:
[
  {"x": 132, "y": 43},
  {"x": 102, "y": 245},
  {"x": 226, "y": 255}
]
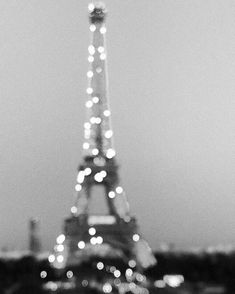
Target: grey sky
[{"x": 172, "y": 87}]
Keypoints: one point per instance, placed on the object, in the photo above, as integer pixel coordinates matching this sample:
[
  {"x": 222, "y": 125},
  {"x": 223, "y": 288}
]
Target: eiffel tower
[{"x": 114, "y": 234}]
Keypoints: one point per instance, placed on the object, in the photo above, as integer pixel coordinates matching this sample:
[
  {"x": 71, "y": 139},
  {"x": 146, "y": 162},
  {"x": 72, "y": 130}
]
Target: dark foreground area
[{"x": 174, "y": 273}]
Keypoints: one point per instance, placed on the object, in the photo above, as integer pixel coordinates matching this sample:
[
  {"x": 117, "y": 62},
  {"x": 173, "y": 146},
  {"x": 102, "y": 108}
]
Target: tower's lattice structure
[{"x": 113, "y": 234}]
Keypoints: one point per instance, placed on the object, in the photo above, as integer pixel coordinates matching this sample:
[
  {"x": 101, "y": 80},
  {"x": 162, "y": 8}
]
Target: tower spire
[{"x": 97, "y": 128}]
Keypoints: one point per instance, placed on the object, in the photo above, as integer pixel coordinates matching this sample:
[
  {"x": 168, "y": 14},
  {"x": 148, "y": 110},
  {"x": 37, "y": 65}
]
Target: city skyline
[{"x": 171, "y": 101}]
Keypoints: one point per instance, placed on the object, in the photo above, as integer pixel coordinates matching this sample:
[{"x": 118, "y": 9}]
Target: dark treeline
[{"x": 23, "y": 275}]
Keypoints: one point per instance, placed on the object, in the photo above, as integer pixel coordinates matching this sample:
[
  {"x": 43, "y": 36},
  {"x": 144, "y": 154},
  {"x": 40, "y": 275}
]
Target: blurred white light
[
  {"x": 78, "y": 187},
  {"x": 136, "y": 237},
  {"x": 89, "y": 90},
  {"x": 80, "y": 177},
  {"x": 108, "y": 134},
  {"x": 107, "y": 288},
  {"x": 93, "y": 120},
  {"x": 60, "y": 248},
  {"x": 117, "y": 273},
  {"x": 100, "y": 49},
  {"x": 99, "y": 240},
  {"x": 107, "y": 113},
  {"x": 103, "y": 173},
  {"x": 92, "y": 231},
  {"x": 74, "y": 209},
  {"x": 90, "y": 74},
  {"x": 90, "y": 58},
  {"x": 95, "y": 151},
  {"x": 95, "y": 99},
  {"x": 132, "y": 263},
  {"x": 129, "y": 272},
  {"x": 159, "y": 284},
  {"x": 112, "y": 269},
  {"x": 111, "y": 194},
  {"x": 43, "y": 274},
  {"x": 100, "y": 265},
  {"x": 81, "y": 244},
  {"x": 60, "y": 258},
  {"x": 119, "y": 190},
  {"x": 91, "y": 49},
  {"x": 110, "y": 153},
  {"x": 92, "y": 27},
  {"x": 87, "y": 125},
  {"x": 98, "y": 69},
  {"x": 98, "y": 120},
  {"x": 103, "y": 30},
  {"x": 99, "y": 161},
  {"x": 87, "y": 134},
  {"x": 102, "y": 56},
  {"x": 69, "y": 274},
  {"x": 60, "y": 239},
  {"x": 51, "y": 258},
  {"x": 89, "y": 104},
  {"x": 173, "y": 280},
  {"x": 87, "y": 171},
  {"x": 98, "y": 177},
  {"x": 91, "y": 7},
  {"x": 93, "y": 240},
  {"x": 85, "y": 145}
]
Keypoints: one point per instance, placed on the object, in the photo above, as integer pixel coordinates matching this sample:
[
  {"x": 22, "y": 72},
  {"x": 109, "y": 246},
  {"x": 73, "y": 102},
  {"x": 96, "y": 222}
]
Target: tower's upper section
[
  {"x": 97, "y": 128},
  {"x": 97, "y": 12}
]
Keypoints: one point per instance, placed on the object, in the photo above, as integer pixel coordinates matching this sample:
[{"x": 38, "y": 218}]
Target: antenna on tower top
[{"x": 97, "y": 12}]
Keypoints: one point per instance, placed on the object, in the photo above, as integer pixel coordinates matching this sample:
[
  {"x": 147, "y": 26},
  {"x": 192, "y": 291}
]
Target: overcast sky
[{"x": 172, "y": 88}]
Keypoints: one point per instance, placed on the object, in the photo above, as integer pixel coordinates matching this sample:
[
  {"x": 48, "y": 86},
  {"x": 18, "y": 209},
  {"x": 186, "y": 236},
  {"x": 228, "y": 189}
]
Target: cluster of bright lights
[
  {"x": 91, "y": 50},
  {"x": 100, "y": 176},
  {"x": 95, "y": 120},
  {"x": 96, "y": 240},
  {"x": 173, "y": 280},
  {"x": 118, "y": 190},
  {"x": 80, "y": 177}
]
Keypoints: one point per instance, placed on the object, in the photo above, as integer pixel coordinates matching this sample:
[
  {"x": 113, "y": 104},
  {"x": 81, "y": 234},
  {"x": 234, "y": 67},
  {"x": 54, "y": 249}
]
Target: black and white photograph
[{"x": 117, "y": 147}]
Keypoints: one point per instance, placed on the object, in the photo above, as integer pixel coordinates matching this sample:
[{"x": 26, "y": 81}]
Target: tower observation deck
[{"x": 85, "y": 234}]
